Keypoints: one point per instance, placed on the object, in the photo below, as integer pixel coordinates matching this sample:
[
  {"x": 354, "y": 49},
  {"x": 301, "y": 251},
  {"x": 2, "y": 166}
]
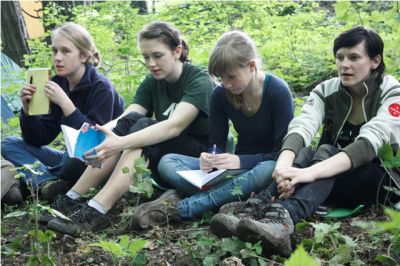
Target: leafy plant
[
  {"x": 122, "y": 248},
  {"x": 389, "y": 228},
  {"x": 387, "y": 155},
  {"x": 39, "y": 237},
  {"x": 141, "y": 179},
  {"x": 301, "y": 258},
  {"x": 328, "y": 240}
]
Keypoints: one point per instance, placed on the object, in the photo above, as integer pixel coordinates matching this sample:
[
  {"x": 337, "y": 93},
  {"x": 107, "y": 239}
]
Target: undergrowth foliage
[{"x": 295, "y": 43}]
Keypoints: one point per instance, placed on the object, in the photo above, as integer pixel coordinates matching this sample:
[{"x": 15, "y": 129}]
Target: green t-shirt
[{"x": 160, "y": 98}]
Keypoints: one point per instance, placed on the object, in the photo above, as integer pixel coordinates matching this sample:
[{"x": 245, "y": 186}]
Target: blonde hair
[
  {"x": 82, "y": 39},
  {"x": 233, "y": 50}
]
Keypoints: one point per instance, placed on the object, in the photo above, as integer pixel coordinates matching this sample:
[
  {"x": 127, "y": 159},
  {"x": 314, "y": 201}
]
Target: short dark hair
[
  {"x": 166, "y": 34},
  {"x": 373, "y": 44}
]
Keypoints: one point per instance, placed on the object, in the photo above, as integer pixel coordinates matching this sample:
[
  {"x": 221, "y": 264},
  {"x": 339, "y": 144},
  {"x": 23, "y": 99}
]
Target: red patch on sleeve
[{"x": 394, "y": 109}]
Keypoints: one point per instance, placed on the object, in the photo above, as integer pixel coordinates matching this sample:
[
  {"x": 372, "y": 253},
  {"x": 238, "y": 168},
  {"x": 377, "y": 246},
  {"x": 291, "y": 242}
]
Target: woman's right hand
[
  {"x": 26, "y": 96},
  {"x": 206, "y": 161}
]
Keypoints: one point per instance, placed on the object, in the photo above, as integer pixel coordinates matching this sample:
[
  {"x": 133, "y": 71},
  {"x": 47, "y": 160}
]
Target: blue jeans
[
  {"x": 200, "y": 201},
  {"x": 17, "y": 151}
]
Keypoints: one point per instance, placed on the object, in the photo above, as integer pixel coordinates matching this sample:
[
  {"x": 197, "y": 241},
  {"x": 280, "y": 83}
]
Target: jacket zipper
[{"x": 348, "y": 112}]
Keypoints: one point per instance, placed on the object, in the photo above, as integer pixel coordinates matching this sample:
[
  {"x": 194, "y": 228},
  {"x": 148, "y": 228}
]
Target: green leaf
[
  {"x": 385, "y": 260},
  {"x": 124, "y": 241},
  {"x": 385, "y": 152},
  {"x": 125, "y": 170},
  {"x": 392, "y": 225},
  {"x": 301, "y": 258},
  {"x": 230, "y": 245},
  {"x": 343, "y": 255},
  {"x": 210, "y": 260},
  {"x": 322, "y": 230},
  {"x": 15, "y": 214},
  {"x": 135, "y": 246}
]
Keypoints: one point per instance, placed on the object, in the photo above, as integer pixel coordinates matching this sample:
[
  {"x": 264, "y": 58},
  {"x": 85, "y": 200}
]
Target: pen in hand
[{"x": 214, "y": 152}]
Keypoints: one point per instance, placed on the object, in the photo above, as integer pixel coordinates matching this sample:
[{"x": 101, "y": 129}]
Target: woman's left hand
[
  {"x": 226, "y": 161},
  {"x": 109, "y": 147}
]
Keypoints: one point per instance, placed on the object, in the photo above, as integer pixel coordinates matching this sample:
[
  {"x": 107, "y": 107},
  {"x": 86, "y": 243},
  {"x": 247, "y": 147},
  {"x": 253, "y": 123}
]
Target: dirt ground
[{"x": 164, "y": 243}]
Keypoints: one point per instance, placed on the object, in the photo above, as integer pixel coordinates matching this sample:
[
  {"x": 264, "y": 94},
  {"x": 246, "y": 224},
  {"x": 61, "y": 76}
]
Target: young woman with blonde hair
[
  {"x": 78, "y": 94},
  {"x": 177, "y": 94},
  {"x": 259, "y": 105}
]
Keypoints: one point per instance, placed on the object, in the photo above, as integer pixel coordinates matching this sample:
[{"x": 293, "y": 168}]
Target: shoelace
[
  {"x": 168, "y": 213},
  {"x": 275, "y": 215},
  {"x": 81, "y": 213},
  {"x": 258, "y": 205}
]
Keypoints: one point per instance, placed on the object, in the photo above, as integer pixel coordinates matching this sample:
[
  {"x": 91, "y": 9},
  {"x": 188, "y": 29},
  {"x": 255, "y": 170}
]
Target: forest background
[{"x": 294, "y": 41}]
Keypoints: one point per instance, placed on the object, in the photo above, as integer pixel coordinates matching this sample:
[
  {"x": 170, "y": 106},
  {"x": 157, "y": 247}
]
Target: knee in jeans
[
  {"x": 164, "y": 162},
  {"x": 9, "y": 142}
]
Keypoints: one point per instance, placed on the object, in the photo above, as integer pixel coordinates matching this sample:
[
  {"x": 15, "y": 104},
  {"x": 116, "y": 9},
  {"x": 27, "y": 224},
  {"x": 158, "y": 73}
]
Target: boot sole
[
  {"x": 250, "y": 231},
  {"x": 218, "y": 226},
  {"x": 68, "y": 228},
  {"x": 139, "y": 210},
  {"x": 62, "y": 227}
]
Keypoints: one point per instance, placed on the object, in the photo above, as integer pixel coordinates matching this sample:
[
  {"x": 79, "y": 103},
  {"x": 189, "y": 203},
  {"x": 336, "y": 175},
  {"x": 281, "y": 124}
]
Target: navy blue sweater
[
  {"x": 96, "y": 102},
  {"x": 260, "y": 136}
]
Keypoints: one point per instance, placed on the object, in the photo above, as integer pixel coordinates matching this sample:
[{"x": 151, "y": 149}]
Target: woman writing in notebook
[
  {"x": 78, "y": 94},
  {"x": 359, "y": 111},
  {"x": 259, "y": 104}
]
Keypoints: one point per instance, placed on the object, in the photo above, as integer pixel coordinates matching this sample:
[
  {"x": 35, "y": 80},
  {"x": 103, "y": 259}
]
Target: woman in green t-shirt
[{"x": 177, "y": 95}]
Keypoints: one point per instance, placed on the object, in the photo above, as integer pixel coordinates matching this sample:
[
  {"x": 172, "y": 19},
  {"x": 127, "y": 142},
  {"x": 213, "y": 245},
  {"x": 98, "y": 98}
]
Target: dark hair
[
  {"x": 373, "y": 44},
  {"x": 166, "y": 34}
]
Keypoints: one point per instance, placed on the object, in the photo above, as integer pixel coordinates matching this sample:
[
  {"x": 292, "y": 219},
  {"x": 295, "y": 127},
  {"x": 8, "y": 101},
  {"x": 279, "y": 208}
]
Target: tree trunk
[
  {"x": 14, "y": 36},
  {"x": 141, "y": 5}
]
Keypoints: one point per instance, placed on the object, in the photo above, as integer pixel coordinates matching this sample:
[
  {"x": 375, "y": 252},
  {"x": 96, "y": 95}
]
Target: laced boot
[
  {"x": 224, "y": 224},
  {"x": 273, "y": 230},
  {"x": 158, "y": 212}
]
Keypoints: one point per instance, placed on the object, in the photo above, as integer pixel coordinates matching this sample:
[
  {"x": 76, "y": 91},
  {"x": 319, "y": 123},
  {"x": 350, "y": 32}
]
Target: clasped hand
[
  {"x": 288, "y": 177},
  {"x": 209, "y": 161},
  {"x": 110, "y": 146}
]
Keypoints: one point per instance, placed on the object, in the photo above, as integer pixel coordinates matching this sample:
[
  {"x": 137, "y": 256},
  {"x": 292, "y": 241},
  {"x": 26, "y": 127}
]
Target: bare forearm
[
  {"x": 285, "y": 159},
  {"x": 332, "y": 166},
  {"x": 151, "y": 135}
]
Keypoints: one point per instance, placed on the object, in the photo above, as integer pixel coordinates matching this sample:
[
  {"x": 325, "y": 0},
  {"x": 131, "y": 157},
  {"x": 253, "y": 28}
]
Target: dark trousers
[
  {"x": 182, "y": 144},
  {"x": 362, "y": 185}
]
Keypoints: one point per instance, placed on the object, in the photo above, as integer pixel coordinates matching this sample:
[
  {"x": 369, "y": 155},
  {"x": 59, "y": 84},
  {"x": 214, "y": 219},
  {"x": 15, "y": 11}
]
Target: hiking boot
[
  {"x": 254, "y": 207},
  {"x": 13, "y": 196},
  {"x": 63, "y": 204},
  {"x": 158, "y": 212},
  {"x": 273, "y": 230},
  {"x": 83, "y": 219},
  {"x": 224, "y": 225},
  {"x": 51, "y": 189}
]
